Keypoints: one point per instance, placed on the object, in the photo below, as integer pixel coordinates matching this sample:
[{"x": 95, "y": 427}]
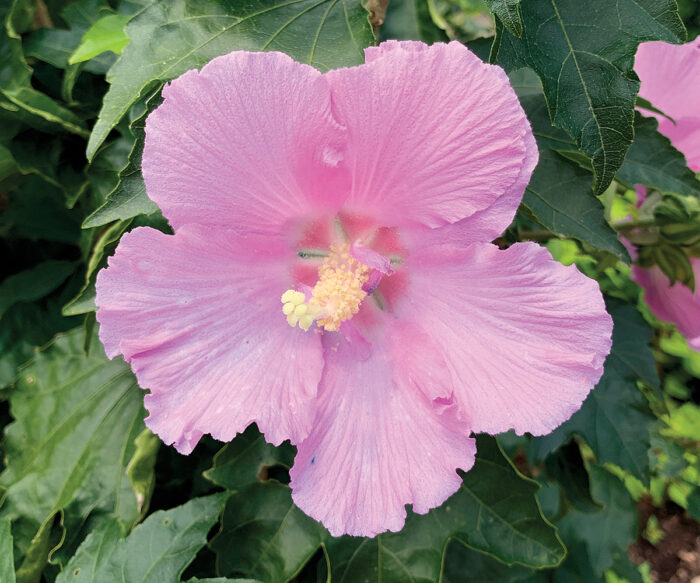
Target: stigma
[{"x": 336, "y": 297}]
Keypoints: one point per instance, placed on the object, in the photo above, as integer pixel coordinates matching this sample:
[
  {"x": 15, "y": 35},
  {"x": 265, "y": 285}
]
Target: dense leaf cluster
[{"x": 87, "y": 493}]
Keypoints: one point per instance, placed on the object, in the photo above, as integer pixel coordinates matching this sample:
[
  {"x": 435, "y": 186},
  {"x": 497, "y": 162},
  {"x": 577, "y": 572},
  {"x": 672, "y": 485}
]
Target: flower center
[{"x": 336, "y": 297}]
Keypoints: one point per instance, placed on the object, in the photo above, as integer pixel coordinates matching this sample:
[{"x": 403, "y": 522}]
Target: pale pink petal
[
  {"x": 685, "y": 136},
  {"x": 670, "y": 76},
  {"x": 673, "y": 303},
  {"x": 198, "y": 316},
  {"x": 378, "y": 443},
  {"x": 434, "y": 136},
  {"x": 524, "y": 337},
  {"x": 247, "y": 142}
]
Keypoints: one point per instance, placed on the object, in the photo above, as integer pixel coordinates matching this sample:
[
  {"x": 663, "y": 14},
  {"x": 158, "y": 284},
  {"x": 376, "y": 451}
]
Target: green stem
[{"x": 630, "y": 225}]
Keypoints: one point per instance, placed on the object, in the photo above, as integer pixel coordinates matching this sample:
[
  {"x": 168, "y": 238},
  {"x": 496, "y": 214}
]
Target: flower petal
[
  {"x": 685, "y": 136},
  {"x": 203, "y": 329},
  {"x": 378, "y": 444},
  {"x": 673, "y": 303},
  {"x": 434, "y": 135},
  {"x": 246, "y": 142},
  {"x": 523, "y": 336},
  {"x": 660, "y": 66}
]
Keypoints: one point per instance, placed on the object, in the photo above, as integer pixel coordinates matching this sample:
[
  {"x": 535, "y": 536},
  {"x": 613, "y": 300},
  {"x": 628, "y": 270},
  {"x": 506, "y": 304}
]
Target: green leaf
[
  {"x": 625, "y": 570},
  {"x": 169, "y": 38},
  {"x": 76, "y": 419},
  {"x": 221, "y": 580},
  {"x": 35, "y": 153},
  {"x": 129, "y": 198},
  {"x": 608, "y": 533},
  {"x": 694, "y": 504},
  {"x": 7, "y": 562},
  {"x": 84, "y": 301},
  {"x": 242, "y": 461},
  {"x": 508, "y": 11},
  {"x": 34, "y": 283},
  {"x": 585, "y": 59},
  {"x": 35, "y": 557},
  {"x": 615, "y": 418},
  {"x": 641, "y": 103},
  {"x": 16, "y": 92},
  {"x": 107, "y": 34},
  {"x": 55, "y": 45},
  {"x": 559, "y": 196},
  {"x": 9, "y": 170},
  {"x": 37, "y": 211},
  {"x": 654, "y": 162},
  {"x": 684, "y": 422},
  {"x": 26, "y": 326},
  {"x": 141, "y": 468},
  {"x": 95, "y": 550},
  {"x": 494, "y": 511},
  {"x": 156, "y": 551},
  {"x": 464, "y": 564},
  {"x": 263, "y": 535},
  {"x": 566, "y": 467},
  {"x": 103, "y": 171},
  {"x": 576, "y": 566},
  {"x": 411, "y": 20}
]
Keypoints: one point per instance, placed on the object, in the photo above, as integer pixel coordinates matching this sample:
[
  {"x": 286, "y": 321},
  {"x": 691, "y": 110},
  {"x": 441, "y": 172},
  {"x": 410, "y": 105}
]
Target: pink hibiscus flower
[
  {"x": 366, "y": 199},
  {"x": 670, "y": 76}
]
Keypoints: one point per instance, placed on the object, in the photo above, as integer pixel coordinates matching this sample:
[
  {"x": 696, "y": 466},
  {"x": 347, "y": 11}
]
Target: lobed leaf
[
  {"x": 263, "y": 535},
  {"x": 584, "y": 59},
  {"x": 606, "y": 534},
  {"x": 495, "y": 512},
  {"x": 560, "y": 194}
]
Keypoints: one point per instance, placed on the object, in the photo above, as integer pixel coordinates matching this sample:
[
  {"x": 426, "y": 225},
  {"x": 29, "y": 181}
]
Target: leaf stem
[{"x": 625, "y": 226}]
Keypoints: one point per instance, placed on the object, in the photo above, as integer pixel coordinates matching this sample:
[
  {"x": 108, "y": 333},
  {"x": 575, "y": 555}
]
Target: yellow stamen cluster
[
  {"x": 336, "y": 296},
  {"x": 296, "y": 309}
]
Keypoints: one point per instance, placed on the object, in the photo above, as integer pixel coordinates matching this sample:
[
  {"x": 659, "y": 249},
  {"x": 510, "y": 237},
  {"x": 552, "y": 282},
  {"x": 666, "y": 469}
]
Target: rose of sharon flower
[
  {"x": 331, "y": 276},
  {"x": 670, "y": 76}
]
